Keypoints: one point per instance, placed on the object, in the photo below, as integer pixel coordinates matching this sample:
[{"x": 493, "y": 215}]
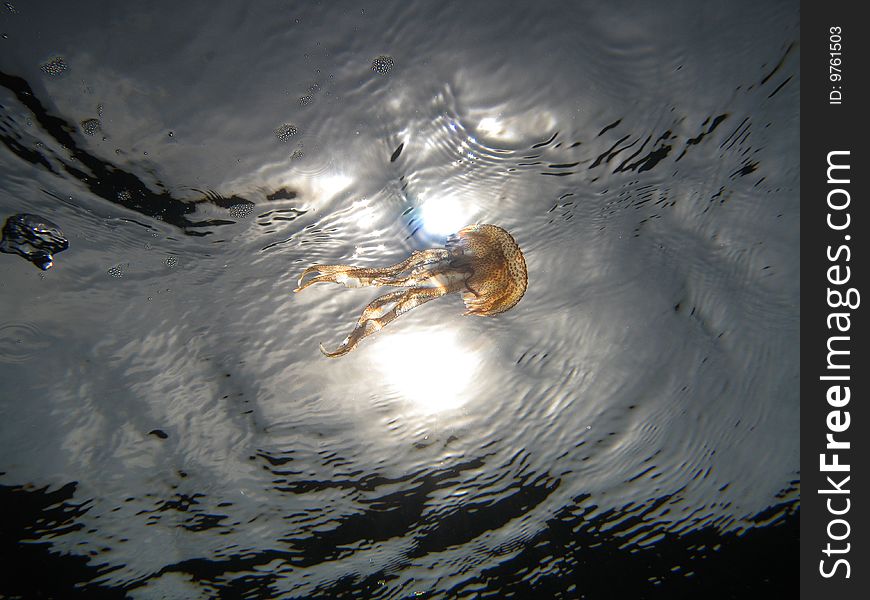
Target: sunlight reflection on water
[
  {"x": 431, "y": 369},
  {"x": 443, "y": 216}
]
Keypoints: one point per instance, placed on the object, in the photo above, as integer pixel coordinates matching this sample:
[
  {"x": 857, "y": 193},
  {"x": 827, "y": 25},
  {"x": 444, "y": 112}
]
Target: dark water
[{"x": 168, "y": 427}]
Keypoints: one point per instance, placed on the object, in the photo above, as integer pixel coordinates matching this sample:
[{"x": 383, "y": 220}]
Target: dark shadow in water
[
  {"x": 572, "y": 557},
  {"x": 31, "y": 569},
  {"x": 102, "y": 178}
]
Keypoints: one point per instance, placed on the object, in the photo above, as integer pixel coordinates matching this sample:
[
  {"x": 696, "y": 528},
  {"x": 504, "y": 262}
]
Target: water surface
[{"x": 169, "y": 427}]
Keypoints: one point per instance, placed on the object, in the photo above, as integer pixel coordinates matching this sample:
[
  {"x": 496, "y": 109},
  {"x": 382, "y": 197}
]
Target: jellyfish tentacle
[
  {"x": 418, "y": 263},
  {"x": 352, "y": 276},
  {"x": 451, "y": 279},
  {"x": 375, "y": 309},
  {"x": 376, "y": 316},
  {"x": 325, "y": 273}
]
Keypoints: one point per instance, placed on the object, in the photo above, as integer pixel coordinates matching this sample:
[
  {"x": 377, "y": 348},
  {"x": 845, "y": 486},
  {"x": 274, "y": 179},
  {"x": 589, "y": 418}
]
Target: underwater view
[{"x": 399, "y": 299}]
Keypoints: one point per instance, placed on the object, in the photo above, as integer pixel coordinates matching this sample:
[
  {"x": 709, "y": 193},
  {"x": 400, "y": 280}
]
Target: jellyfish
[{"x": 482, "y": 262}]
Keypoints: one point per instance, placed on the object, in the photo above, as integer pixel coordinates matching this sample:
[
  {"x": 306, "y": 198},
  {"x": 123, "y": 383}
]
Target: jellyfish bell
[
  {"x": 481, "y": 262},
  {"x": 497, "y": 268}
]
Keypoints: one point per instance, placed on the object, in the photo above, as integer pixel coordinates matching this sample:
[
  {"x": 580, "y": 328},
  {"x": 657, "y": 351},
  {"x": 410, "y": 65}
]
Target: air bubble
[
  {"x": 54, "y": 67},
  {"x": 241, "y": 211},
  {"x": 285, "y": 132},
  {"x": 91, "y": 126},
  {"x": 383, "y": 64},
  {"x": 118, "y": 271}
]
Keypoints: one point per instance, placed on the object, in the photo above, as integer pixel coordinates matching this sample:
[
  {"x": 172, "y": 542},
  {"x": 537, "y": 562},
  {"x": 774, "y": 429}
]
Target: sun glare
[
  {"x": 443, "y": 216},
  {"x": 430, "y": 369}
]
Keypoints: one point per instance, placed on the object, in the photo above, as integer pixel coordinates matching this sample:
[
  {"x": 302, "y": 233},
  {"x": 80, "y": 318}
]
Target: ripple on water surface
[{"x": 21, "y": 342}]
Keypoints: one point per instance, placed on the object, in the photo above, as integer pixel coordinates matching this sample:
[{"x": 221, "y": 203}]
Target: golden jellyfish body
[{"x": 482, "y": 262}]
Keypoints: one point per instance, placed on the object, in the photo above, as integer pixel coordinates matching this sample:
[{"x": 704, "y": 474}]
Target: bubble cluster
[
  {"x": 172, "y": 261},
  {"x": 55, "y": 67},
  {"x": 383, "y": 64},
  {"x": 118, "y": 270},
  {"x": 308, "y": 98},
  {"x": 241, "y": 211},
  {"x": 91, "y": 126},
  {"x": 285, "y": 132}
]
